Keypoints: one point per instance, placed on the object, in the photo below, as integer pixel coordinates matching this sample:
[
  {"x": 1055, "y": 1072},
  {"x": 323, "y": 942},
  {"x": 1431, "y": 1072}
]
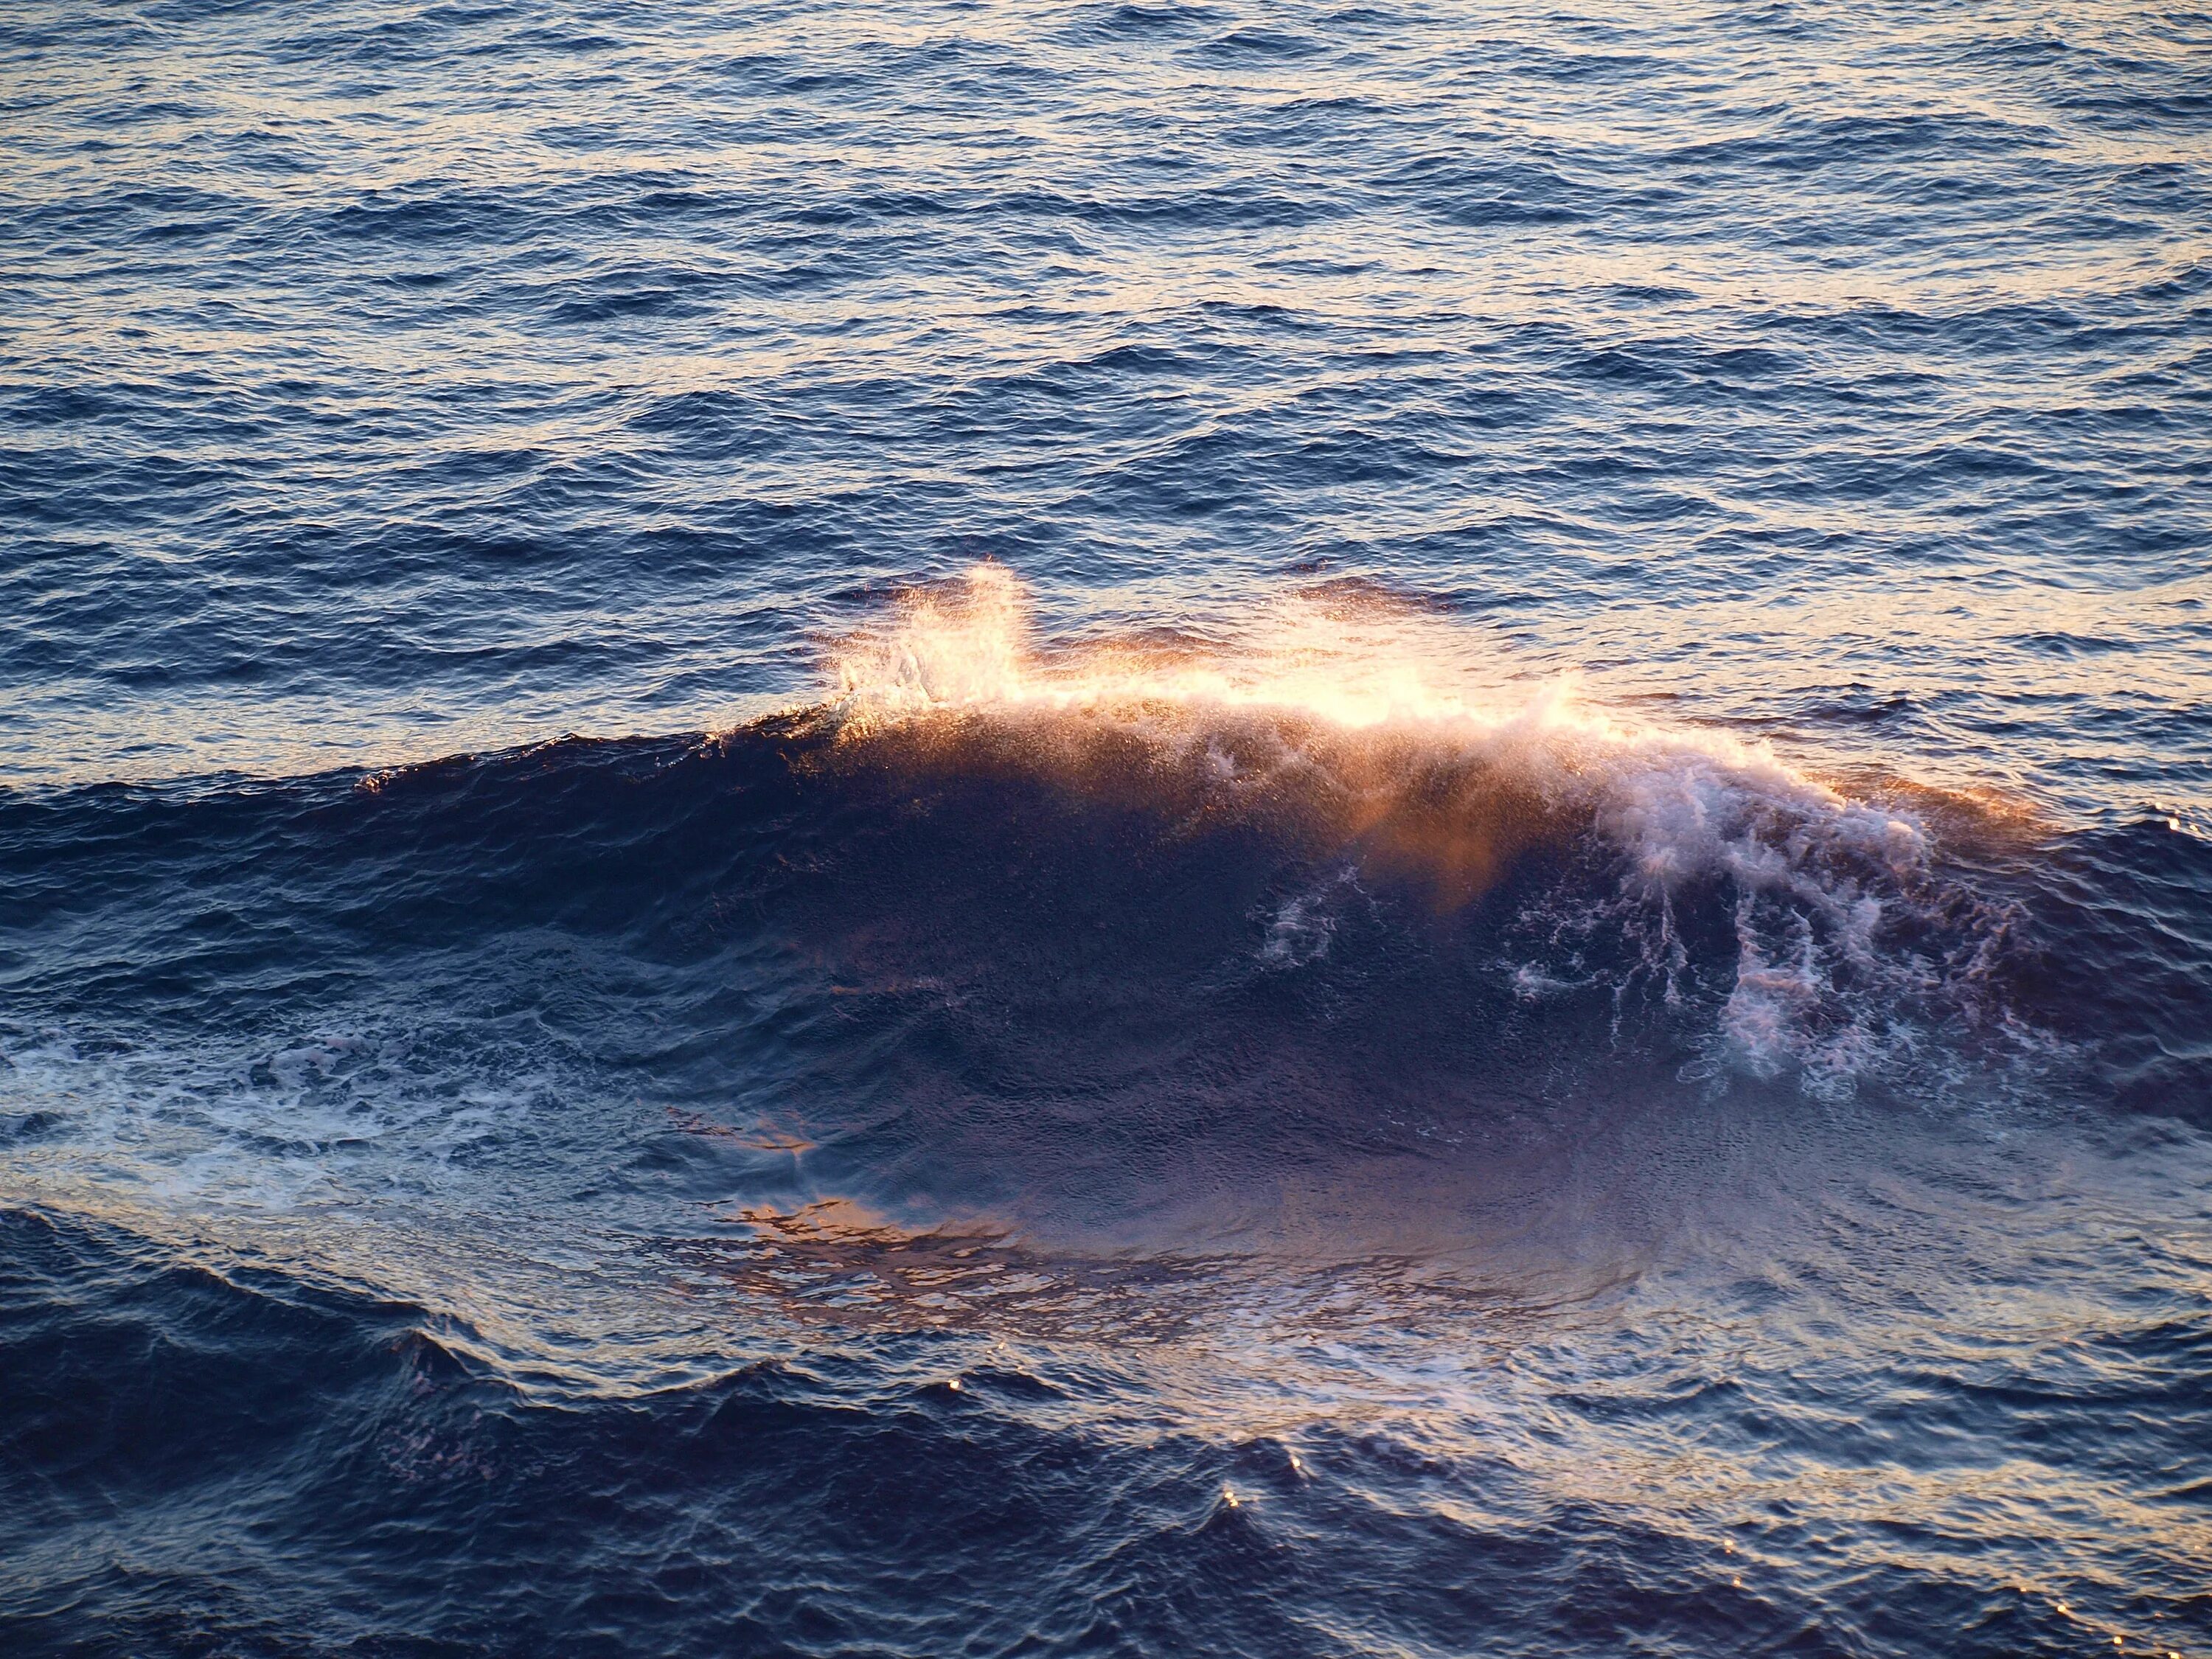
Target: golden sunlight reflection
[{"x": 1374, "y": 720}]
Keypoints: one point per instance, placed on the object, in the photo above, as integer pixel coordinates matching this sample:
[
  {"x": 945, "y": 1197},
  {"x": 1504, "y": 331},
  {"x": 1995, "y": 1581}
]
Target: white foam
[{"x": 318, "y": 1119}]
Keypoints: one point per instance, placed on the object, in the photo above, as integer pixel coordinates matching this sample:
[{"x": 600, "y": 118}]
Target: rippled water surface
[{"x": 1105, "y": 830}]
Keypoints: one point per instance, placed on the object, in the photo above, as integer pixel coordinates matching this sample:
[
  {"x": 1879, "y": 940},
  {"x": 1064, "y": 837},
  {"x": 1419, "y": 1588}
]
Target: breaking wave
[{"x": 1827, "y": 924}]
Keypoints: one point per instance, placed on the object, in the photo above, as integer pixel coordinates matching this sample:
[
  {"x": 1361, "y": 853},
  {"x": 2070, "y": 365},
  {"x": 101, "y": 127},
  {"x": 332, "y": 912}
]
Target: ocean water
[{"x": 1142, "y": 829}]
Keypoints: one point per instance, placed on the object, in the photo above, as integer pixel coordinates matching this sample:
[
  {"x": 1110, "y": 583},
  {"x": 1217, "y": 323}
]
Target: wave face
[{"x": 1105, "y": 829}]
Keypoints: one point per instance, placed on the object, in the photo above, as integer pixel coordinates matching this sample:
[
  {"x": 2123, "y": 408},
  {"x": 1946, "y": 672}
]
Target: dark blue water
[{"x": 1105, "y": 830}]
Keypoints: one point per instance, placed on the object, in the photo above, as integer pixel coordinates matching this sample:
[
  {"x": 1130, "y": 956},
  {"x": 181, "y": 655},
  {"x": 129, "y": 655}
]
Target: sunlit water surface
[{"x": 1137, "y": 829}]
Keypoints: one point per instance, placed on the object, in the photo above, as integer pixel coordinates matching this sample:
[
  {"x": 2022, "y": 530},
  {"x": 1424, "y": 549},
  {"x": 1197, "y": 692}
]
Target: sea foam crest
[{"x": 1389, "y": 732}]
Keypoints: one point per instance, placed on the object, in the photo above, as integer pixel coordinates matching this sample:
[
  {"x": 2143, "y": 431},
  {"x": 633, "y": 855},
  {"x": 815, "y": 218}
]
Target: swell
[{"x": 1340, "y": 844}]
